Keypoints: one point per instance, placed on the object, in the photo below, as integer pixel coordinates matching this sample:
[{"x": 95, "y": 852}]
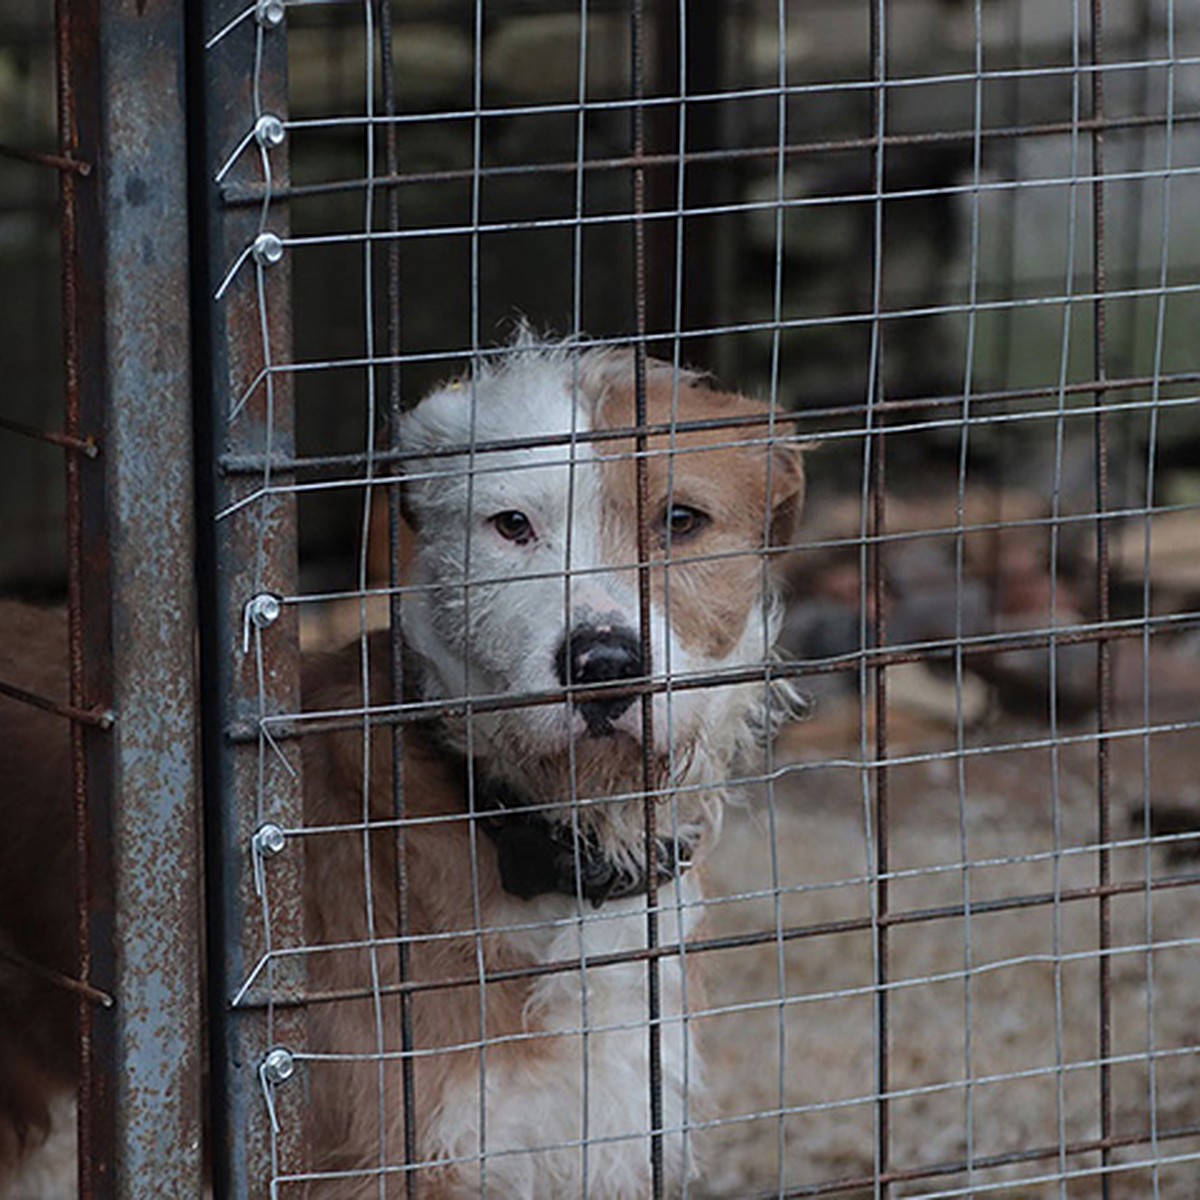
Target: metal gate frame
[
  {"x": 133, "y": 703},
  {"x": 247, "y": 558}
]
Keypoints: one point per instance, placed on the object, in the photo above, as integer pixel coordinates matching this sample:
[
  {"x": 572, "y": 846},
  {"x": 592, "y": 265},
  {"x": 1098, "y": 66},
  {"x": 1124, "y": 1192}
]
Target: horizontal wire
[
  {"x": 896, "y": 1175},
  {"x": 740, "y": 941},
  {"x": 320, "y": 721},
  {"x": 947, "y": 1087},
  {"x": 1069, "y": 1174},
  {"x": 737, "y": 208},
  {"x": 671, "y": 100},
  {"x": 255, "y": 464},
  {"x": 86, "y": 446},
  {"x": 811, "y": 440},
  {"x": 1070, "y": 389},
  {"x": 600, "y": 916},
  {"x": 101, "y": 718},
  {"x": 813, "y": 545},
  {"x": 994, "y": 1162},
  {"x": 251, "y": 194}
]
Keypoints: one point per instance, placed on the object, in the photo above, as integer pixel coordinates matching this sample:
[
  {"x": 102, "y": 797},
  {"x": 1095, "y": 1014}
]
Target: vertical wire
[
  {"x": 765, "y": 585},
  {"x": 870, "y": 569},
  {"x": 653, "y": 975},
  {"x": 1005, "y": 262},
  {"x": 959, "y": 581},
  {"x": 668, "y": 666},
  {"x": 1151, "y": 464},
  {"x": 259, "y": 582},
  {"x": 264, "y": 211},
  {"x": 1006, "y": 241},
  {"x": 581, "y": 916},
  {"x": 395, "y": 639},
  {"x": 65, "y": 59},
  {"x": 1104, "y": 648},
  {"x": 1123, "y": 355},
  {"x": 1052, "y": 622},
  {"x": 264, "y": 891},
  {"x": 363, "y": 582},
  {"x": 476, "y": 361},
  {"x": 68, "y": 147}
]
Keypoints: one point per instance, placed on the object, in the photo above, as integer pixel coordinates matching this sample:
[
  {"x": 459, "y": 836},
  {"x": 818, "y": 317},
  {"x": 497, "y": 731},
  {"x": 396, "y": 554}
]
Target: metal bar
[
  {"x": 75, "y": 59},
  {"x": 100, "y": 718},
  {"x": 56, "y": 978},
  {"x": 86, "y": 446},
  {"x": 649, "y": 813},
  {"x": 285, "y": 727},
  {"x": 130, "y": 606},
  {"x": 660, "y": 125},
  {"x": 241, "y": 77},
  {"x": 155, "y": 826},
  {"x": 876, "y": 450},
  {"x": 742, "y": 941},
  {"x": 1005, "y": 239},
  {"x": 707, "y": 185},
  {"x": 988, "y": 1162},
  {"x": 1104, "y": 648},
  {"x": 57, "y": 162},
  {"x": 395, "y": 408},
  {"x": 237, "y": 195},
  {"x": 235, "y": 464}
]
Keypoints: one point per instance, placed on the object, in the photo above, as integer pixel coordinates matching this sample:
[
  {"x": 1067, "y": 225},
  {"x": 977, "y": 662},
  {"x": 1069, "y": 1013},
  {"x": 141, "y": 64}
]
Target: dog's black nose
[{"x": 600, "y": 655}]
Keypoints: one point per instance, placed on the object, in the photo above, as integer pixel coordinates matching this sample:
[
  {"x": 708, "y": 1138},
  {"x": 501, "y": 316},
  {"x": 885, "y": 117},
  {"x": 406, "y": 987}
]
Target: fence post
[
  {"x": 247, "y": 563},
  {"x": 126, "y": 317}
]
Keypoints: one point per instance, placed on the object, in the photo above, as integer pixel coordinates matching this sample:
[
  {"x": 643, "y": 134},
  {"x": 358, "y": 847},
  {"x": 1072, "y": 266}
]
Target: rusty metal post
[
  {"x": 132, "y": 609},
  {"x": 247, "y": 550}
]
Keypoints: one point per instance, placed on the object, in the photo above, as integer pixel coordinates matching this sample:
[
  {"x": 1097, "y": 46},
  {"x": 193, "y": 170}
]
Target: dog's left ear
[{"x": 787, "y": 491}]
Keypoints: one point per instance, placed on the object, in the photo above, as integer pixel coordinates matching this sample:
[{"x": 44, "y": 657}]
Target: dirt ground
[{"x": 992, "y": 1021}]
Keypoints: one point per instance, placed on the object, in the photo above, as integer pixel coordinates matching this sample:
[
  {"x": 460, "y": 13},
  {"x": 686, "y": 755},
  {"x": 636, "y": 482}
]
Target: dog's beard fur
[
  {"x": 597, "y": 786},
  {"x": 598, "y": 790}
]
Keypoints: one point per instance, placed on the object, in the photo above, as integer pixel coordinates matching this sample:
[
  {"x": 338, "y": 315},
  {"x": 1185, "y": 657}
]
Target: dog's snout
[
  {"x": 600, "y": 655},
  {"x": 590, "y": 655}
]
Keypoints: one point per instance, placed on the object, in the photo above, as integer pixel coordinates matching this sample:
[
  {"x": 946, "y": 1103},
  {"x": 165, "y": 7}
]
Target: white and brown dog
[{"x": 524, "y": 826}]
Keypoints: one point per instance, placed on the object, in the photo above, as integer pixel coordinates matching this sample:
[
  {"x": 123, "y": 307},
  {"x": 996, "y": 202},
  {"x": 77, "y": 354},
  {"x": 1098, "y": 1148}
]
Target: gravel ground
[{"x": 1002, "y": 1001}]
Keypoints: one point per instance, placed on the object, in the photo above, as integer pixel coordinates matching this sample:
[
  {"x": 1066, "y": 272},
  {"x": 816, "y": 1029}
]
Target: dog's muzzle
[{"x": 591, "y": 654}]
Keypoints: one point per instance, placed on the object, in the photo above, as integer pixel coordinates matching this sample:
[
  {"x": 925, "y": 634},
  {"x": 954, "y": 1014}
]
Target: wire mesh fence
[{"x": 942, "y": 944}]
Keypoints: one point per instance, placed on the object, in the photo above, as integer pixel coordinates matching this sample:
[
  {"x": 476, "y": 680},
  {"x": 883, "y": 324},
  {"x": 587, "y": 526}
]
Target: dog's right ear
[{"x": 787, "y": 491}]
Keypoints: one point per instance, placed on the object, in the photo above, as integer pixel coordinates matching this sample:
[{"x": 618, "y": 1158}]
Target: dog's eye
[
  {"x": 513, "y": 526},
  {"x": 683, "y": 521}
]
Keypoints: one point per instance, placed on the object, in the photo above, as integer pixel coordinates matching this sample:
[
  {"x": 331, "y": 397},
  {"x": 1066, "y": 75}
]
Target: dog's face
[{"x": 526, "y": 567}]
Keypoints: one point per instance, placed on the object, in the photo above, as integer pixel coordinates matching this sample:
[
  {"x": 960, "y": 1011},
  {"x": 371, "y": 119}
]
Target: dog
[
  {"x": 523, "y": 839},
  {"x": 37, "y": 903}
]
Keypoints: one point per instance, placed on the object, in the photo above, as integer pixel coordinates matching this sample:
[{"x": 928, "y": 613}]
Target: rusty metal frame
[
  {"x": 237, "y": 72},
  {"x": 133, "y": 700}
]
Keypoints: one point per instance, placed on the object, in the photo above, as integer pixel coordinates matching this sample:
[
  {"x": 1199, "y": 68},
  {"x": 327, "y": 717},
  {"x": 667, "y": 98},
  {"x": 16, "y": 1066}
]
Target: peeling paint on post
[{"x": 127, "y": 302}]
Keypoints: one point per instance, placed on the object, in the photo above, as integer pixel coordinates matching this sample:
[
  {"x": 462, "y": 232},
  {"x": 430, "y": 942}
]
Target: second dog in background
[{"x": 524, "y": 840}]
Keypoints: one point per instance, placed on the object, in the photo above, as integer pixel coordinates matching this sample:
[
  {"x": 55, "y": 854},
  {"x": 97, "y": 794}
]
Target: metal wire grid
[{"x": 1067, "y": 1161}]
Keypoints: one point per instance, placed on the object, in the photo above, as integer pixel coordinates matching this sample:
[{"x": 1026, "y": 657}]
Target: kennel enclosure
[{"x": 954, "y": 244}]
